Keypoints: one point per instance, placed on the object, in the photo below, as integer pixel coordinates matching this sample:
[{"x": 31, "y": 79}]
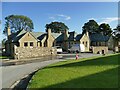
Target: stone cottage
[
  {"x": 95, "y": 42},
  {"x": 114, "y": 44},
  {"x": 25, "y": 44}
]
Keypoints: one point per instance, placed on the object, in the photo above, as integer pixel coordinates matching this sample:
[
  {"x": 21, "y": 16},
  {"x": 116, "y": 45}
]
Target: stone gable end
[{"x": 28, "y": 38}]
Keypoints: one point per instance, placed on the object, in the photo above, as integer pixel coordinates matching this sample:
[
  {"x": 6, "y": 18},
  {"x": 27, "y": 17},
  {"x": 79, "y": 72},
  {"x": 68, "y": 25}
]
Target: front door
[{"x": 103, "y": 52}]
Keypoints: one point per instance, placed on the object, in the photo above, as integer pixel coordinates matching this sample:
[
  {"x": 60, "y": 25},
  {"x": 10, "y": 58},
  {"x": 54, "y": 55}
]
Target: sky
[{"x": 73, "y": 14}]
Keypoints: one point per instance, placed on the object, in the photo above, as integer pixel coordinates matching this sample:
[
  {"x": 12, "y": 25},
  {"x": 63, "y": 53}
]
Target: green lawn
[
  {"x": 4, "y": 57},
  {"x": 97, "y": 72}
]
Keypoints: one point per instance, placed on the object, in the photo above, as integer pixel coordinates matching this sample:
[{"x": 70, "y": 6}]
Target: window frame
[
  {"x": 25, "y": 44},
  {"x": 32, "y": 44}
]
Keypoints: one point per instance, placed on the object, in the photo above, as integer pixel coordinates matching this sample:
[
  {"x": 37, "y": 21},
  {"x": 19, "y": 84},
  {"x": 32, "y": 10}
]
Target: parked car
[
  {"x": 59, "y": 49},
  {"x": 76, "y": 48}
]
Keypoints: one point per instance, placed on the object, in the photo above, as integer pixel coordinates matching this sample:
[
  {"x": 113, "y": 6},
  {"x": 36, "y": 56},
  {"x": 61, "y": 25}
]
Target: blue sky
[{"x": 73, "y": 14}]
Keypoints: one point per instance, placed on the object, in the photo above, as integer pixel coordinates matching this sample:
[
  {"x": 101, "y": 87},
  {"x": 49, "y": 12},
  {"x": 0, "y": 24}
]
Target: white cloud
[
  {"x": 64, "y": 16},
  {"x": 51, "y": 17},
  {"x": 92, "y": 19},
  {"x": 60, "y": 17},
  {"x": 109, "y": 20}
]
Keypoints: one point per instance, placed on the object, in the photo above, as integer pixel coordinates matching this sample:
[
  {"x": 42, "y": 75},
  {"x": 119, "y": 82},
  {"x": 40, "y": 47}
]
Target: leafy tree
[
  {"x": 116, "y": 32},
  {"x": 3, "y": 42},
  {"x": 18, "y": 23},
  {"x": 56, "y": 27},
  {"x": 105, "y": 29},
  {"x": 91, "y": 26}
]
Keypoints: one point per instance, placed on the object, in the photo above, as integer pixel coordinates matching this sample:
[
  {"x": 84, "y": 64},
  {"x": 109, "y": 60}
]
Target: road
[{"x": 11, "y": 74}]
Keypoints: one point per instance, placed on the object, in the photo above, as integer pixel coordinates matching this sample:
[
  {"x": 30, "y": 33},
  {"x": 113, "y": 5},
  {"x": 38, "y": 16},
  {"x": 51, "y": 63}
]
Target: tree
[
  {"x": 56, "y": 27},
  {"x": 18, "y": 23},
  {"x": 3, "y": 42},
  {"x": 105, "y": 29},
  {"x": 116, "y": 32},
  {"x": 91, "y": 26}
]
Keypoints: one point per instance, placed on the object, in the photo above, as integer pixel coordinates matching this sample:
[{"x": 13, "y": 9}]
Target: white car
[
  {"x": 77, "y": 48},
  {"x": 59, "y": 49}
]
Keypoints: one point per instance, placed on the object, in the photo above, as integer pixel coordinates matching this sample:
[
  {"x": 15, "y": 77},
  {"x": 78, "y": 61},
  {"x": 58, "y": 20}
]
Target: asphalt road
[{"x": 11, "y": 74}]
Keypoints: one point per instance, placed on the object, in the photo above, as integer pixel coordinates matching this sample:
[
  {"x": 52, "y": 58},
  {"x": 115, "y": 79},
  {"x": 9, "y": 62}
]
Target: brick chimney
[
  {"x": 65, "y": 43},
  {"x": 87, "y": 33},
  {"x": 8, "y": 32}
]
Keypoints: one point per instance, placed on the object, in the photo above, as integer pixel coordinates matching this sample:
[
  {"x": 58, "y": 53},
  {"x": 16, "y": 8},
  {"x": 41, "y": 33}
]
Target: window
[
  {"x": 86, "y": 44},
  {"x": 45, "y": 44},
  {"x": 83, "y": 42},
  {"x": 31, "y": 43},
  {"x": 100, "y": 44},
  {"x": 25, "y": 44},
  {"x": 118, "y": 42},
  {"x": 40, "y": 44}
]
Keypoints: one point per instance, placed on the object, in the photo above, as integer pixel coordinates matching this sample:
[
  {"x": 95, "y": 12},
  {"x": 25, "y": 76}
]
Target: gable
[
  {"x": 84, "y": 38},
  {"x": 28, "y": 37}
]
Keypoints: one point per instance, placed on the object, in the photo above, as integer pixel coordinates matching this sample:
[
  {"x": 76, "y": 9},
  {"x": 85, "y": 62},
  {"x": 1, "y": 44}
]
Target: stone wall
[
  {"x": 99, "y": 49},
  {"x": 22, "y": 53}
]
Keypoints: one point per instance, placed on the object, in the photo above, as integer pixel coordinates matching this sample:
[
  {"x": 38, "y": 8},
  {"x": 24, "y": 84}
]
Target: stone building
[
  {"x": 114, "y": 44},
  {"x": 95, "y": 42},
  {"x": 37, "y": 44}
]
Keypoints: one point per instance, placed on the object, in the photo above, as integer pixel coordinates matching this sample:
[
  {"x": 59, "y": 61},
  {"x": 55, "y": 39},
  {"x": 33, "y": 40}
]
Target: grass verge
[{"x": 97, "y": 72}]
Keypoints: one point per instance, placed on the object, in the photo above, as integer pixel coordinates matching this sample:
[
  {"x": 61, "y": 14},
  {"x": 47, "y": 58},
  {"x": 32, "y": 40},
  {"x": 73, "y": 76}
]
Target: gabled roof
[
  {"x": 72, "y": 36},
  {"x": 78, "y": 37},
  {"x": 41, "y": 36},
  {"x": 98, "y": 37},
  {"x": 58, "y": 36},
  {"x": 18, "y": 36},
  {"x": 37, "y": 34}
]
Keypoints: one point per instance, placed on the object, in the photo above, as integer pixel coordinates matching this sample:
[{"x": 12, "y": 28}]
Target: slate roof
[
  {"x": 40, "y": 37},
  {"x": 60, "y": 38},
  {"x": 15, "y": 37},
  {"x": 97, "y": 37},
  {"x": 18, "y": 35},
  {"x": 74, "y": 36},
  {"x": 78, "y": 37},
  {"x": 38, "y": 34}
]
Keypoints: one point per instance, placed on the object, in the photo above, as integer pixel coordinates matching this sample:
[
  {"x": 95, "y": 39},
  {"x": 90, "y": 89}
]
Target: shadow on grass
[
  {"x": 107, "y": 60},
  {"x": 106, "y": 79}
]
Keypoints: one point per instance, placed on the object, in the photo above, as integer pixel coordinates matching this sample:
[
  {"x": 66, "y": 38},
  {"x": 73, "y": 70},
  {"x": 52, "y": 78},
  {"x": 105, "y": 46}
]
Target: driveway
[{"x": 11, "y": 74}]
